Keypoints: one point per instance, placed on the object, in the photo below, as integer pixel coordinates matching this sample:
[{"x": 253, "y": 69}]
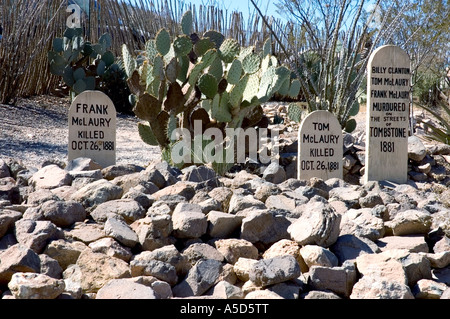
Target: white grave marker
[
  {"x": 387, "y": 122},
  {"x": 92, "y": 128},
  {"x": 320, "y": 146}
]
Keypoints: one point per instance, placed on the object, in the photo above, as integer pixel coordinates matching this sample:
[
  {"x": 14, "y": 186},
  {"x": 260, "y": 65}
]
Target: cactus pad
[
  {"x": 182, "y": 46},
  {"x": 163, "y": 42},
  {"x": 186, "y": 23},
  {"x": 150, "y": 49},
  {"x": 147, "y": 107},
  {"x": 146, "y": 134},
  {"x": 235, "y": 72},
  {"x": 216, "y": 37},
  {"x": 295, "y": 112},
  {"x": 294, "y": 89},
  {"x": 202, "y": 46},
  {"x": 236, "y": 94},
  {"x": 251, "y": 63},
  {"x": 128, "y": 61},
  {"x": 208, "y": 85},
  {"x": 229, "y": 49}
]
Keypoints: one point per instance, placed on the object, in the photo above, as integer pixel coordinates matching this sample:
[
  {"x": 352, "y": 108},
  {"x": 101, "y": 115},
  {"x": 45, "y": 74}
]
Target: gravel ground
[{"x": 36, "y": 130}]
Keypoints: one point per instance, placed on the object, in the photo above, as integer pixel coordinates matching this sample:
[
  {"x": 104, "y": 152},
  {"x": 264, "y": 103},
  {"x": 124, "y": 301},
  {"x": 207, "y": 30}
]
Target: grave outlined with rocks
[{"x": 92, "y": 232}]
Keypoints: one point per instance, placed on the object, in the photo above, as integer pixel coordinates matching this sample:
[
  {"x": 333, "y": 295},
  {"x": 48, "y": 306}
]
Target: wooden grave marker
[
  {"x": 92, "y": 128},
  {"x": 320, "y": 147},
  {"x": 387, "y": 121}
]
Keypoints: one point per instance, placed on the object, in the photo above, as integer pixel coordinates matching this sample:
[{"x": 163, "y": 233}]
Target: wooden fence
[{"x": 29, "y": 27}]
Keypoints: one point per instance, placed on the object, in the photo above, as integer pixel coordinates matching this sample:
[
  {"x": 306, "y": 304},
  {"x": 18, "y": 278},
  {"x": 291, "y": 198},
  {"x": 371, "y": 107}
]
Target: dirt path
[{"x": 36, "y": 130}]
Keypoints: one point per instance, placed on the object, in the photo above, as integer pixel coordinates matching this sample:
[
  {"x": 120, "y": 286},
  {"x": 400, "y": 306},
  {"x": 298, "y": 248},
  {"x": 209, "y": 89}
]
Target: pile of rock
[
  {"x": 125, "y": 231},
  {"x": 428, "y": 163}
]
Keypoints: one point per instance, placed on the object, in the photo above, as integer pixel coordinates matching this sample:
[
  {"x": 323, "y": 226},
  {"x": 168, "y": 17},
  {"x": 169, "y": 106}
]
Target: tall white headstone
[
  {"x": 92, "y": 128},
  {"x": 387, "y": 122},
  {"x": 320, "y": 146}
]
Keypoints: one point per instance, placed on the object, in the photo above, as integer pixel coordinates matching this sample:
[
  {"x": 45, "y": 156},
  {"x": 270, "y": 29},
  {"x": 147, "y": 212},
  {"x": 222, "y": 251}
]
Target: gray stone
[
  {"x": 9, "y": 191},
  {"x": 65, "y": 252},
  {"x": 315, "y": 294},
  {"x": 209, "y": 205},
  {"x": 446, "y": 294},
  {"x": 370, "y": 201},
  {"x": 129, "y": 209},
  {"x": 222, "y": 195},
  {"x": 4, "y": 169},
  {"x": 318, "y": 256},
  {"x": 200, "y": 278},
  {"x": 225, "y": 290},
  {"x": 72, "y": 279},
  {"x": 280, "y": 202},
  {"x": 274, "y": 270},
  {"x": 156, "y": 268},
  {"x": 35, "y": 234},
  {"x": 154, "y": 231},
  {"x": 113, "y": 171},
  {"x": 86, "y": 232},
  {"x": 61, "y": 213},
  {"x": 50, "y": 177},
  {"x": 416, "y": 149},
  {"x": 7, "y": 220},
  {"x": 185, "y": 189},
  {"x": 136, "y": 180},
  {"x": 168, "y": 254},
  {"x": 111, "y": 247},
  {"x": 318, "y": 225},
  {"x": 120, "y": 231},
  {"x": 371, "y": 288},
  {"x": 81, "y": 164},
  {"x": 50, "y": 267},
  {"x": 198, "y": 251},
  {"x": 243, "y": 267},
  {"x": 239, "y": 203},
  {"x": 428, "y": 289},
  {"x": 440, "y": 246},
  {"x": 339, "y": 280},
  {"x": 410, "y": 222},
  {"x": 198, "y": 174},
  {"x": 264, "y": 227},
  {"x": 189, "y": 224},
  {"x": 96, "y": 193},
  {"x": 221, "y": 225},
  {"x": 442, "y": 275},
  {"x": 348, "y": 247},
  {"x": 233, "y": 249},
  {"x": 350, "y": 196},
  {"x": 40, "y": 196},
  {"x": 17, "y": 258},
  {"x": 274, "y": 173},
  {"x": 361, "y": 223},
  {"x": 125, "y": 289},
  {"x": 35, "y": 286},
  {"x": 145, "y": 200},
  {"x": 413, "y": 244},
  {"x": 94, "y": 277},
  {"x": 286, "y": 290}
]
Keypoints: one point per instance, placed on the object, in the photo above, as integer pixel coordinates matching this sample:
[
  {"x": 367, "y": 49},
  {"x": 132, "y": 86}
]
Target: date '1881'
[{"x": 387, "y": 147}]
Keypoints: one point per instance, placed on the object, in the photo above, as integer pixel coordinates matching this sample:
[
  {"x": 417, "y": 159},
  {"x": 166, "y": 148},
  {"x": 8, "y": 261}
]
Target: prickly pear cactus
[
  {"x": 187, "y": 73},
  {"x": 81, "y": 64}
]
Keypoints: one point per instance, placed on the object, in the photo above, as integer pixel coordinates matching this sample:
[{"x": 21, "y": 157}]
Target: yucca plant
[{"x": 439, "y": 134}]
